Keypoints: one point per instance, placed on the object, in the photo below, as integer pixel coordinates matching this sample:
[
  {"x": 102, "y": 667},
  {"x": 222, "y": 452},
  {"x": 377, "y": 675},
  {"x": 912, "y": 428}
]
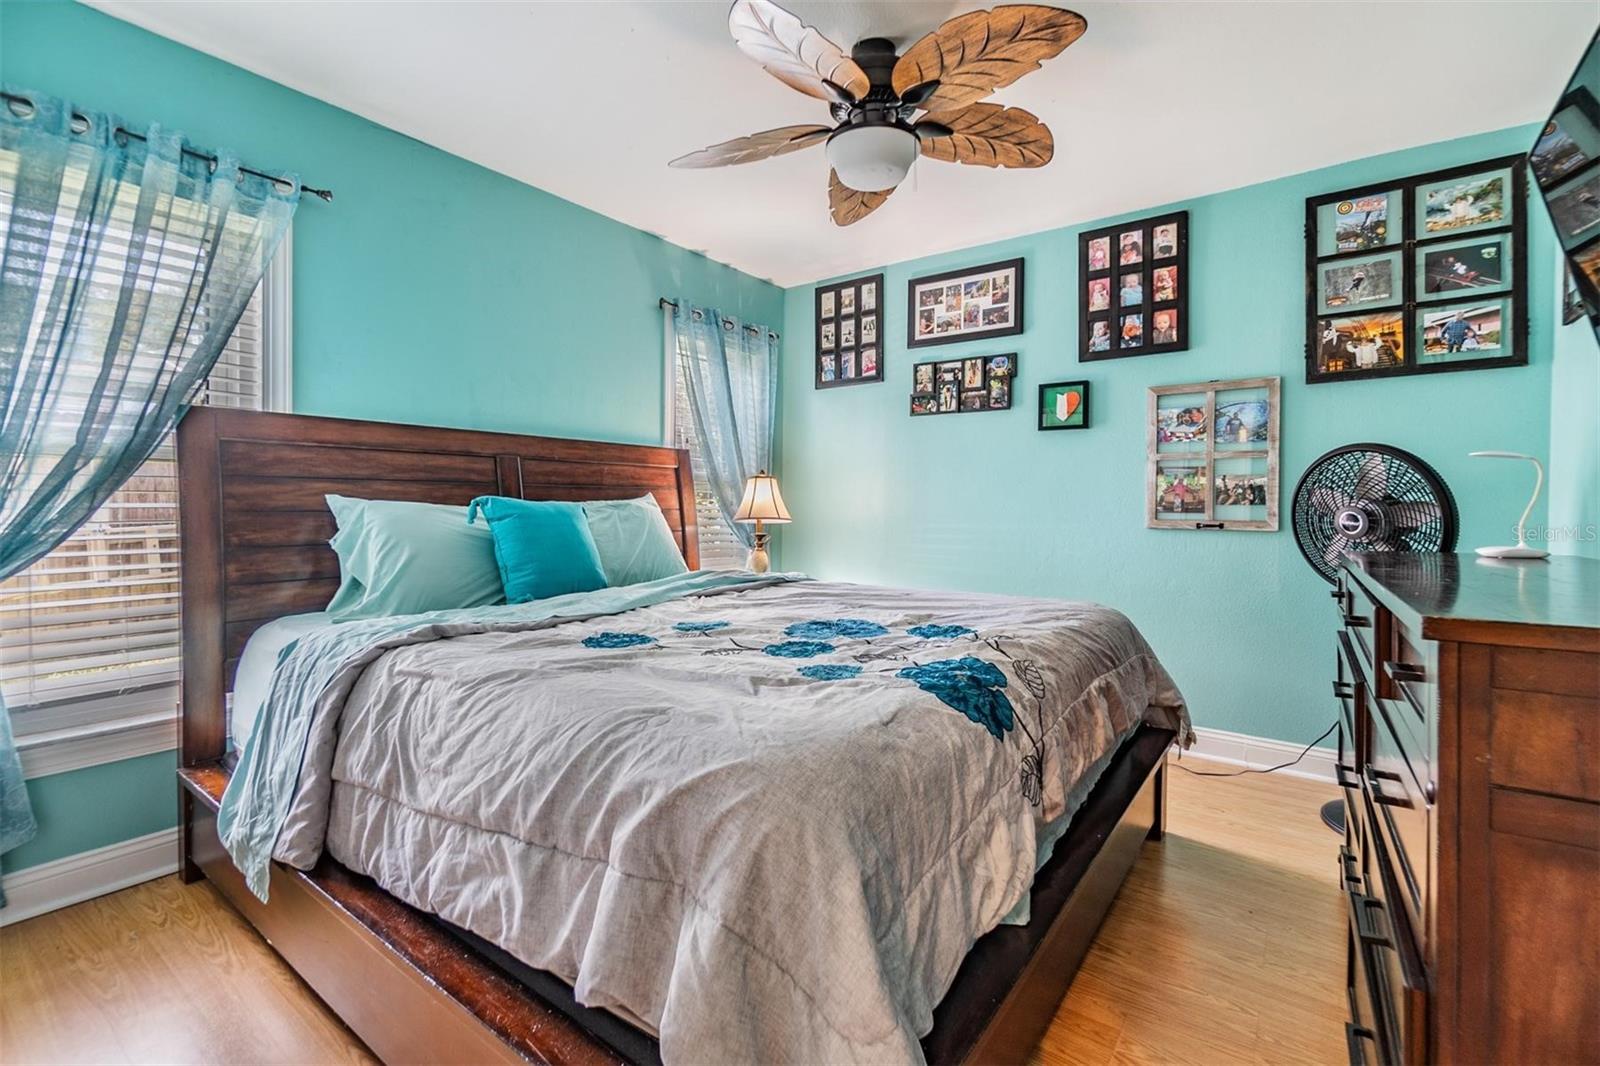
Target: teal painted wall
[
  {"x": 1574, "y": 474},
  {"x": 985, "y": 502},
  {"x": 86, "y": 809},
  {"x": 431, "y": 290}
]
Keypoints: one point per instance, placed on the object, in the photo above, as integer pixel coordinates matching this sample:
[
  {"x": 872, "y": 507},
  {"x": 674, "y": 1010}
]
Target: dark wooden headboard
[{"x": 254, "y": 527}]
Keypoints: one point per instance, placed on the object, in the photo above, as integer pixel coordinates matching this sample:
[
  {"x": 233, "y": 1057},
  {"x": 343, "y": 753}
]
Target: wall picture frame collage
[
  {"x": 1133, "y": 294},
  {"x": 1212, "y": 455},
  {"x": 974, "y": 303},
  {"x": 954, "y": 386},
  {"x": 849, "y": 332},
  {"x": 1426, "y": 274}
]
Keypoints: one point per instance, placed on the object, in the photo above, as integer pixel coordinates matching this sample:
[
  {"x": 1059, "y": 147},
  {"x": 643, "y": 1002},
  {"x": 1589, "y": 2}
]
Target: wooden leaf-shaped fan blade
[
  {"x": 762, "y": 145},
  {"x": 848, "y": 205},
  {"x": 793, "y": 52},
  {"x": 988, "y": 135},
  {"x": 974, "y": 54}
]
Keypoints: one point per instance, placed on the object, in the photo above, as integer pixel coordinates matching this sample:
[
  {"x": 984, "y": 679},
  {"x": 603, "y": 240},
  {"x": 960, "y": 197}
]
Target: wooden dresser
[{"x": 1469, "y": 758}]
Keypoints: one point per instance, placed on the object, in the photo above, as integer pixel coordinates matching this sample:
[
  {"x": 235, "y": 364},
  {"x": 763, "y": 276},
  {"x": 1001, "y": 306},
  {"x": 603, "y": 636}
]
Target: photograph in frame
[
  {"x": 1462, "y": 268},
  {"x": 1343, "y": 284},
  {"x": 1458, "y": 204}
]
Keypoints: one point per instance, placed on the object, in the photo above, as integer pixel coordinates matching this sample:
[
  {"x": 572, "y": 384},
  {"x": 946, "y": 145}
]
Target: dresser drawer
[
  {"x": 1397, "y": 977},
  {"x": 1348, "y": 767},
  {"x": 1383, "y": 1008},
  {"x": 1409, "y": 671},
  {"x": 1360, "y": 617},
  {"x": 1398, "y": 809}
]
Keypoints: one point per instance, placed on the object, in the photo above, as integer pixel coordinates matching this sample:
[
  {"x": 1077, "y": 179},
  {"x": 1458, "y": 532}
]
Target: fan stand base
[{"x": 1333, "y": 815}]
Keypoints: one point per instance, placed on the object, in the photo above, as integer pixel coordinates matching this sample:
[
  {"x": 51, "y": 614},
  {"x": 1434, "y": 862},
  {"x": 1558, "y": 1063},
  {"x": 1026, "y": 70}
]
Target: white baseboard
[
  {"x": 1258, "y": 753},
  {"x": 53, "y": 885}
]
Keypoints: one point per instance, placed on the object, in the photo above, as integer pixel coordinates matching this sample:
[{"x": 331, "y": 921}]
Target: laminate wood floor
[{"x": 1226, "y": 945}]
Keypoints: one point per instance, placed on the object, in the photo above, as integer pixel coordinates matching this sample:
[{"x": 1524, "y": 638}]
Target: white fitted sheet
[{"x": 254, "y": 676}]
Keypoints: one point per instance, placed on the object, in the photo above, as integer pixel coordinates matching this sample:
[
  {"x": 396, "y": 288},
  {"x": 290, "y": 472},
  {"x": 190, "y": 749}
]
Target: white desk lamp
[
  {"x": 1521, "y": 550},
  {"x": 762, "y": 503}
]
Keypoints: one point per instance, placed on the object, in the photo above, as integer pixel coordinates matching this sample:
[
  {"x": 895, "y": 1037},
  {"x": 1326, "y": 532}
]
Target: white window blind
[
  {"x": 89, "y": 633},
  {"x": 719, "y": 548},
  {"x": 91, "y": 629}
]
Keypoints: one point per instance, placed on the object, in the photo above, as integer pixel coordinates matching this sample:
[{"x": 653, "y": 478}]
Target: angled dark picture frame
[{"x": 960, "y": 279}]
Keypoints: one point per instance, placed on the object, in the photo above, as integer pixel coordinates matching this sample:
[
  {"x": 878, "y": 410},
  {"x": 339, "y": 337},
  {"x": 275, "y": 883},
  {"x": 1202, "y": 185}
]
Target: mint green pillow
[
  {"x": 398, "y": 557},
  {"x": 543, "y": 547},
  {"x": 634, "y": 541}
]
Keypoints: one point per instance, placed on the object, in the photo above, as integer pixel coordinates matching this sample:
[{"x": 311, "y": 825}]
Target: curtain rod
[
  {"x": 323, "y": 194},
  {"x": 664, "y": 302}
]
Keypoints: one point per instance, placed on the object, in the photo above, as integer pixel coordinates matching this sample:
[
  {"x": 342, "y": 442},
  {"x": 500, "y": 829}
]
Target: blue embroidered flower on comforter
[
  {"x": 823, "y": 629},
  {"x": 971, "y": 686},
  {"x": 937, "y": 632},
  {"x": 798, "y": 649},
  {"x": 831, "y": 671},
  {"x": 609, "y": 639}
]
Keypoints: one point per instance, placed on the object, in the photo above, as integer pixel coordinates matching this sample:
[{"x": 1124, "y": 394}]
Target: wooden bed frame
[{"x": 254, "y": 531}]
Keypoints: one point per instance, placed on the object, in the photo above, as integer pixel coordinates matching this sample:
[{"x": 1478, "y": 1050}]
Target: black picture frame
[
  {"x": 948, "y": 382},
  {"x": 828, "y": 334},
  {"x": 1412, "y": 302},
  {"x": 960, "y": 278},
  {"x": 1047, "y": 386},
  {"x": 1112, "y": 273}
]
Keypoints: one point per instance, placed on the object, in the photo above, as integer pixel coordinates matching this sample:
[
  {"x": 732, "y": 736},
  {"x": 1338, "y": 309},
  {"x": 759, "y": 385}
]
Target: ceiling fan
[{"x": 874, "y": 96}]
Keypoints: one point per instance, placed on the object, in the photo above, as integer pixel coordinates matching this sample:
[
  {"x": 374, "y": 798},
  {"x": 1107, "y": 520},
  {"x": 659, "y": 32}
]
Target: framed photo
[
  {"x": 1361, "y": 343},
  {"x": 977, "y": 383},
  {"x": 1345, "y": 284},
  {"x": 1388, "y": 267},
  {"x": 1575, "y": 209},
  {"x": 1571, "y": 302},
  {"x": 960, "y": 305},
  {"x": 1463, "y": 331},
  {"x": 1134, "y": 295},
  {"x": 1064, "y": 405},
  {"x": 1465, "y": 202},
  {"x": 1212, "y": 455},
  {"x": 1360, "y": 222},
  {"x": 1461, "y": 268},
  {"x": 1569, "y": 141},
  {"x": 849, "y": 321}
]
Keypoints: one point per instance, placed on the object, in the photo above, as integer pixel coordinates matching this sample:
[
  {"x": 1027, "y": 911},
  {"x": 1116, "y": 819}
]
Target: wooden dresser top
[{"x": 1461, "y": 597}]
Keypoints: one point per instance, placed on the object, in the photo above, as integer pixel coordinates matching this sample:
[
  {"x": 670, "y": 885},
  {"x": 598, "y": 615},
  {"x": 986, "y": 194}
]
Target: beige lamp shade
[{"x": 762, "y": 501}]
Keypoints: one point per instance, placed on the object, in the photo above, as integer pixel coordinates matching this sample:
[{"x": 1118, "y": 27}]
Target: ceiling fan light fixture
[{"x": 872, "y": 158}]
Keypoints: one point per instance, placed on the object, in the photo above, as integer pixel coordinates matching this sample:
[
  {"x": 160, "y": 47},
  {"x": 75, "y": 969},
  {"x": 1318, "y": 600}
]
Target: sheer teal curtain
[
  {"x": 733, "y": 393},
  {"x": 124, "y": 266}
]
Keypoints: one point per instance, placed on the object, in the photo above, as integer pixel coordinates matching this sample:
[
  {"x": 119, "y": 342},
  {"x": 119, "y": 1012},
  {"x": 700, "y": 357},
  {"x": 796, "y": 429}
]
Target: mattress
[{"x": 764, "y": 819}]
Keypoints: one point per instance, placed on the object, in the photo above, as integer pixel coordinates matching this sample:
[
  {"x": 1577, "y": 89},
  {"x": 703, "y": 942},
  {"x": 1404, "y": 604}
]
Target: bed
[{"x": 758, "y": 689}]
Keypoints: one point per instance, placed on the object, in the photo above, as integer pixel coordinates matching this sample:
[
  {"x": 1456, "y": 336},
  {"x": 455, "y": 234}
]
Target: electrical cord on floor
[{"x": 1258, "y": 769}]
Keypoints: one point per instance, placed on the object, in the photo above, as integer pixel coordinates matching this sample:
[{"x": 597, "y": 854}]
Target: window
[
  {"x": 89, "y": 633},
  {"x": 720, "y": 549}
]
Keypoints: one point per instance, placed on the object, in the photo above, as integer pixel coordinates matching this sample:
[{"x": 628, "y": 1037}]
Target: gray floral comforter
[{"x": 764, "y": 821}]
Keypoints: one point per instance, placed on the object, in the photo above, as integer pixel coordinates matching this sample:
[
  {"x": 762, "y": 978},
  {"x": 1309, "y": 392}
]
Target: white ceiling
[{"x": 1159, "y": 101}]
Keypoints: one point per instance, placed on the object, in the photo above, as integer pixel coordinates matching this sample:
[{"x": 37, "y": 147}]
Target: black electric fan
[{"x": 1369, "y": 498}]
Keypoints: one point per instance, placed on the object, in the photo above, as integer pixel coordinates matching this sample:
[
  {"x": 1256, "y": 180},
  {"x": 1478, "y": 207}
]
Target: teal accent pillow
[
  {"x": 543, "y": 547},
  {"x": 398, "y": 557},
  {"x": 634, "y": 541}
]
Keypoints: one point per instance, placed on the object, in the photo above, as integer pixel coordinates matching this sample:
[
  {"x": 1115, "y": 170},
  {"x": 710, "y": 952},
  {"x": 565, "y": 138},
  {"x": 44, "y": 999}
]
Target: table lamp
[
  {"x": 1520, "y": 550},
  {"x": 762, "y": 503}
]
